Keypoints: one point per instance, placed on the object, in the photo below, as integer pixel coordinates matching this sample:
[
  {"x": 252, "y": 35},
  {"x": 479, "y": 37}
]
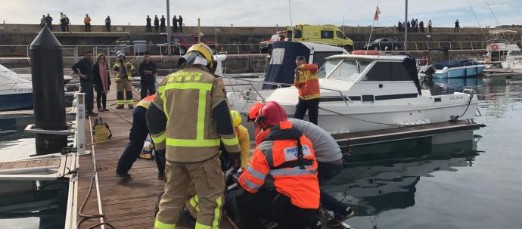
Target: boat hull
[
  {"x": 458, "y": 72},
  {"x": 16, "y": 101}
]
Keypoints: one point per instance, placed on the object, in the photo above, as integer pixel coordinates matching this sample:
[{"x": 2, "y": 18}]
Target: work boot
[
  {"x": 119, "y": 106},
  {"x": 131, "y": 106},
  {"x": 123, "y": 175}
]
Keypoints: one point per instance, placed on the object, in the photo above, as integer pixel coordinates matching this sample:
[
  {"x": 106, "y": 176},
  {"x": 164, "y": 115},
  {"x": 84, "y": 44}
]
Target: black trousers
[
  {"x": 312, "y": 105},
  {"x": 269, "y": 205},
  {"x": 87, "y": 88},
  {"x": 101, "y": 100},
  {"x": 137, "y": 136},
  {"x": 148, "y": 86}
]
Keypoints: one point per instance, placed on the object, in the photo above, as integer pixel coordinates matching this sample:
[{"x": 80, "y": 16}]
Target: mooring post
[{"x": 48, "y": 92}]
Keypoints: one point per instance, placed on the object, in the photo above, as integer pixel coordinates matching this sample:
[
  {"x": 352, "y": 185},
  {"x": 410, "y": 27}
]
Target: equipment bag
[{"x": 101, "y": 131}]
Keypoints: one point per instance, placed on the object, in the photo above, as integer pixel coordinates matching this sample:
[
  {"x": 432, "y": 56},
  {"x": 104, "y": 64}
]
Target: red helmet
[
  {"x": 271, "y": 114},
  {"x": 254, "y": 111}
]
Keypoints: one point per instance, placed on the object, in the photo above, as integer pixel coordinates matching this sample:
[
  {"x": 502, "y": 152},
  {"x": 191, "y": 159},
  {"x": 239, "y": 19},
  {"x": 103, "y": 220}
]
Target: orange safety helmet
[
  {"x": 254, "y": 111},
  {"x": 271, "y": 114}
]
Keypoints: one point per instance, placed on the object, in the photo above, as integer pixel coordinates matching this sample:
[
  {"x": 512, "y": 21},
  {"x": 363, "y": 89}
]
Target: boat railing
[{"x": 252, "y": 87}]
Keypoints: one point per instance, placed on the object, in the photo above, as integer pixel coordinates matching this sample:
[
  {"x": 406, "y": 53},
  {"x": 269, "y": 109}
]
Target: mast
[{"x": 406, "y": 27}]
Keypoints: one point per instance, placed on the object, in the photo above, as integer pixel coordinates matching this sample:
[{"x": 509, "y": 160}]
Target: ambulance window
[
  {"x": 340, "y": 35},
  {"x": 298, "y": 34},
  {"x": 327, "y": 34}
]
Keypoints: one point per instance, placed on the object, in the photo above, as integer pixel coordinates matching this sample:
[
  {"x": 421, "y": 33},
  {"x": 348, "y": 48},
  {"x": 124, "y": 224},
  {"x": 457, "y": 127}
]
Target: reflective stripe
[
  {"x": 161, "y": 89},
  {"x": 160, "y": 225},
  {"x": 120, "y": 102},
  {"x": 157, "y": 138},
  {"x": 256, "y": 174},
  {"x": 266, "y": 149},
  {"x": 230, "y": 141},
  {"x": 192, "y": 143},
  {"x": 194, "y": 202},
  {"x": 292, "y": 172},
  {"x": 202, "y": 102},
  {"x": 217, "y": 213},
  {"x": 201, "y": 226},
  {"x": 250, "y": 184},
  {"x": 188, "y": 86}
]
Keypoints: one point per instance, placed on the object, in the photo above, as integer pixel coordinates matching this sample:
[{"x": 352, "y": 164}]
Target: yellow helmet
[
  {"x": 236, "y": 118},
  {"x": 202, "y": 50}
]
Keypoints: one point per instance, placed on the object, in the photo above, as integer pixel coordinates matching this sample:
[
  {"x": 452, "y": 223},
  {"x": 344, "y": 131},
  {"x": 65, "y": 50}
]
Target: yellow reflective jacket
[{"x": 129, "y": 68}]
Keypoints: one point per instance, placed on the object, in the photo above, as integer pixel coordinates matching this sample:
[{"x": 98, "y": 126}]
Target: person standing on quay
[
  {"x": 84, "y": 69},
  {"x": 87, "y": 22},
  {"x": 180, "y": 20},
  {"x": 429, "y": 27},
  {"x": 67, "y": 22},
  {"x": 102, "y": 81},
  {"x": 123, "y": 80},
  {"x": 108, "y": 23},
  {"x": 156, "y": 23},
  {"x": 62, "y": 21},
  {"x": 49, "y": 22},
  {"x": 147, "y": 70},
  {"x": 162, "y": 24},
  {"x": 457, "y": 26},
  {"x": 174, "y": 24},
  {"x": 43, "y": 21},
  {"x": 307, "y": 84},
  {"x": 149, "y": 25}
]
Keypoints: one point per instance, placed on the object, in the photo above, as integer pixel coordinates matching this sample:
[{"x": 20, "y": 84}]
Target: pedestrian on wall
[
  {"x": 62, "y": 21},
  {"x": 457, "y": 25},
  {"x": 84, "y": 69},
  {"x": 87, "y": 22},
  {"x": 67, "y": 23},
  {"x": 108, "y": 23},
  {"x": 43, "y": 22},
  {"x": 149, "y": 25},
  {"x": 174, "y": 24},
  {"x": 307, "y": 84},
  {"x": 102, "y": 81},
  {"x": 162, "y": 23},
  {"x": 421, "y": 25},
  {"x": 147, "y": 70},
  {"x": 156, "y": 23},
  {"x": 180, "y": 20},
  {"x": 429, "y": 26},
  {"x": 49, "y": 22}
]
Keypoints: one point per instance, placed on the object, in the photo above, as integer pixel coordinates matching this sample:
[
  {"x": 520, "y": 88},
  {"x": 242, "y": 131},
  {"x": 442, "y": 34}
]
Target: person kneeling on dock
[
  {"x": 280, "y": 183},
  {"x": 330, "y": 160},
  {"x": 137, "y": 136},
  {"x": 123, "y": 80}
]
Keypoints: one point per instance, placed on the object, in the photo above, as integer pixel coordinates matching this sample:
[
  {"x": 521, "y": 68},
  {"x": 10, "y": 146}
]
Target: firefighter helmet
[
  {"x": 254, "y": 111},
  {"x": 271, "y": 114},
  {"x": 200, "y": 50}
]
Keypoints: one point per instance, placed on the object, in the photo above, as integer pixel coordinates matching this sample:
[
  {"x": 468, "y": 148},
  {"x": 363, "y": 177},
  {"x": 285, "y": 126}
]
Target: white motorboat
[
  {"x": 502, "y": 49},
  {"x": 15, "y": 93},
  {"x": 367, "y": 92}
]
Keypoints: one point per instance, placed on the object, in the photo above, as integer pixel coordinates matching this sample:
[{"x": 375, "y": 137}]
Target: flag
[{"x": 377, "y": 12}]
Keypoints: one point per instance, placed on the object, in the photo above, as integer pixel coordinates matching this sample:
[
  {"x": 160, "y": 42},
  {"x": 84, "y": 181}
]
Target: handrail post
[{"x": 80, "y": 124}]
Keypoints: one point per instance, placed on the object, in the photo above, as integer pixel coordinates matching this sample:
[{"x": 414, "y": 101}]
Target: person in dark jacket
[
  {"x": 102, "y": 81},
  {"x": 174, "y": 24},
  {"x": 149, "y": 25},
  {"x": 156, "y": 23},
  {"x": 147, "y": 71},
  {"x": 108, "y": 23},
  {"x": 84, "y": 69},
  {"x": 49, "y": 21},
  {"x": 180, "y": 21},
  {"x": 162, "y": 24}
]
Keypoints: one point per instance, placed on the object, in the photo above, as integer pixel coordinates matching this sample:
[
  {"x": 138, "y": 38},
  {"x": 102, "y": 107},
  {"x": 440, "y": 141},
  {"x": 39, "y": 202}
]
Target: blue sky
[{"x": 269, "y": 12}]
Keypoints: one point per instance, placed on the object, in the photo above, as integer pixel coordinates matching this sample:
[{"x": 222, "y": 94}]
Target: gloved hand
[{"x": 234, "y": 161}]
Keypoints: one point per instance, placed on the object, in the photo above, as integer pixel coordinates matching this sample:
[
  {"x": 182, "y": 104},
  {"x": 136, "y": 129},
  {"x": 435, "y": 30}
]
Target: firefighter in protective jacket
[{"x": 189, "y": 118}]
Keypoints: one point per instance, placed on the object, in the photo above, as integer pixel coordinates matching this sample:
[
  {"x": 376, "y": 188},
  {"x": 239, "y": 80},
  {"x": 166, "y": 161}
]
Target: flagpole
[
  {"x": 375, "y": 17},
  {"x": 406, "y": 27}
]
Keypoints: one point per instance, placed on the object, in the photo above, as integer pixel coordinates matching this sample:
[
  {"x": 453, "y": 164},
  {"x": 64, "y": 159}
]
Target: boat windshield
[
  {"x": 346, "y": 70},
  {"x": 515, "y": 53}
]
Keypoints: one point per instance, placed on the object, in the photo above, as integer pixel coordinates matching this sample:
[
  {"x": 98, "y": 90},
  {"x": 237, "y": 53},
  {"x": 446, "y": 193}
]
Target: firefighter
[
  {"x": 281, "y": 179},
  {"x": 123, "y": 77},
  {"x": 137, "y": 136},
  {"x": 189, "y": 118}
]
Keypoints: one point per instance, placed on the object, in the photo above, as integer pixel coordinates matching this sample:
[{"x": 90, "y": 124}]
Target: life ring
[
  {"x": 366, "y": 52},
  {"x": 494, "y": 47}
]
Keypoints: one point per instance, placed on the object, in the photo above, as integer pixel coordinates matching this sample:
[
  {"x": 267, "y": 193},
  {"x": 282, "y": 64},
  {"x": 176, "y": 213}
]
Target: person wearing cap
[
  {"x": 189, "y": 118},
  {"x": 307, "y": 83},
  {"x": 123, "y": 78}
]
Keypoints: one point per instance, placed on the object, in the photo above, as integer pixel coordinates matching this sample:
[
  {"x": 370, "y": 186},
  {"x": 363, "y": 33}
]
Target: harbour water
[
  {"x": 471, "y": 184},
  {"x": 474, "y": 184}
]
